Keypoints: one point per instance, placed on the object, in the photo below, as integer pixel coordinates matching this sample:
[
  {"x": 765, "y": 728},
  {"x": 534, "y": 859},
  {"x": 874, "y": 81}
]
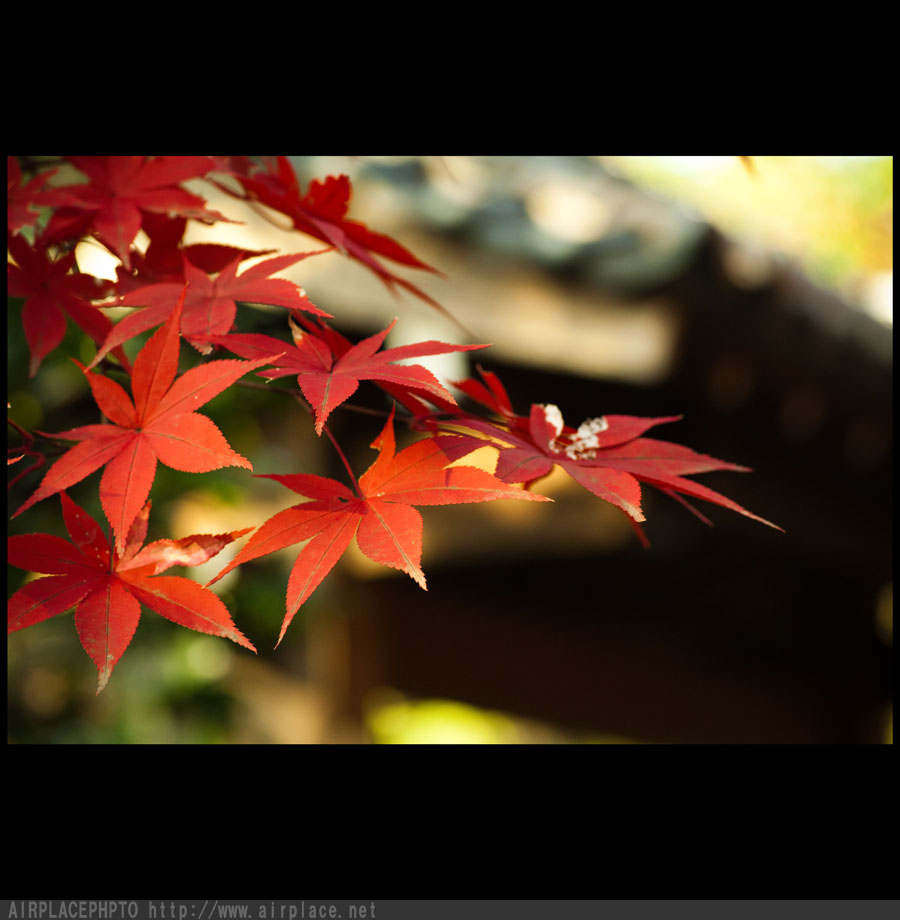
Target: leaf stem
[
  {"x": 302, "y": 402},
  {"x": 260, "y": 212},
  {"x": 41, "y": 460},
  {"x": 337, "y": 447}
]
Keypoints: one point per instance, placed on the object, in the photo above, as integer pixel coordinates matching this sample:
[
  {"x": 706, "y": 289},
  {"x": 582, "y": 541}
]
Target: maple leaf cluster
[
  {"x": 192, "y": 292},
  {"x": 606, "y": 455}
]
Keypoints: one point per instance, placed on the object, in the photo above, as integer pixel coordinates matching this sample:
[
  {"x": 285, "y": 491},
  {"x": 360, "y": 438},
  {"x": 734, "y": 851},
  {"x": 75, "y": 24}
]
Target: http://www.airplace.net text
[{"x": 189, "y": 910}]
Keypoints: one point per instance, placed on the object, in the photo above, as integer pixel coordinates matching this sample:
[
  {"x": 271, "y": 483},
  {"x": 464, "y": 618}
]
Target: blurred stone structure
[{"x": 734, "y": 634}]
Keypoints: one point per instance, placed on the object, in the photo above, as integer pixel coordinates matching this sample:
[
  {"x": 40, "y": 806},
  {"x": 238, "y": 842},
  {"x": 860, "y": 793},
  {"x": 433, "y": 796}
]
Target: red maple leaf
[
  {"x": 210, "y": 303},
  {"x": 164, "y": 257},
  {"x": 380, "y": 514},
  {"x": 51, "y": 290},
  {"x": 119, "y": 192},
  {"x": 329, "y": 368},
  {"x": 321, "y": 213},
  {"x": 606, "y": 455},
  {"x": 20, "y": 197},
  {"x": 107, "y": 587},
  {"x": 161, "y": 424}
]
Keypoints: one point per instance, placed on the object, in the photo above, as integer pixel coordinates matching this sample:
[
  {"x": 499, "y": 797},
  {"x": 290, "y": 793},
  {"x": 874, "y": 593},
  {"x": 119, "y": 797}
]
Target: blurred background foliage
[{"x": 833, "y": 214}]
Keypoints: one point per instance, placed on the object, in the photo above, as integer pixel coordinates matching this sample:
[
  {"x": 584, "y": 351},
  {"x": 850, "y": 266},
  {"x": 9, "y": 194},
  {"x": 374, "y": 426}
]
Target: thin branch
[
  {"x": 350, "y": 407},
  {"x": 25, "y": 435}
]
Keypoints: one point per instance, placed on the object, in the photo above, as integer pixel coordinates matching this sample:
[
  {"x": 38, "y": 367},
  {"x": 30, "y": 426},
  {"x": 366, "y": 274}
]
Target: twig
[
  {"x": 350, "y": 407},
  {"x": 29, "y": 439}
]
